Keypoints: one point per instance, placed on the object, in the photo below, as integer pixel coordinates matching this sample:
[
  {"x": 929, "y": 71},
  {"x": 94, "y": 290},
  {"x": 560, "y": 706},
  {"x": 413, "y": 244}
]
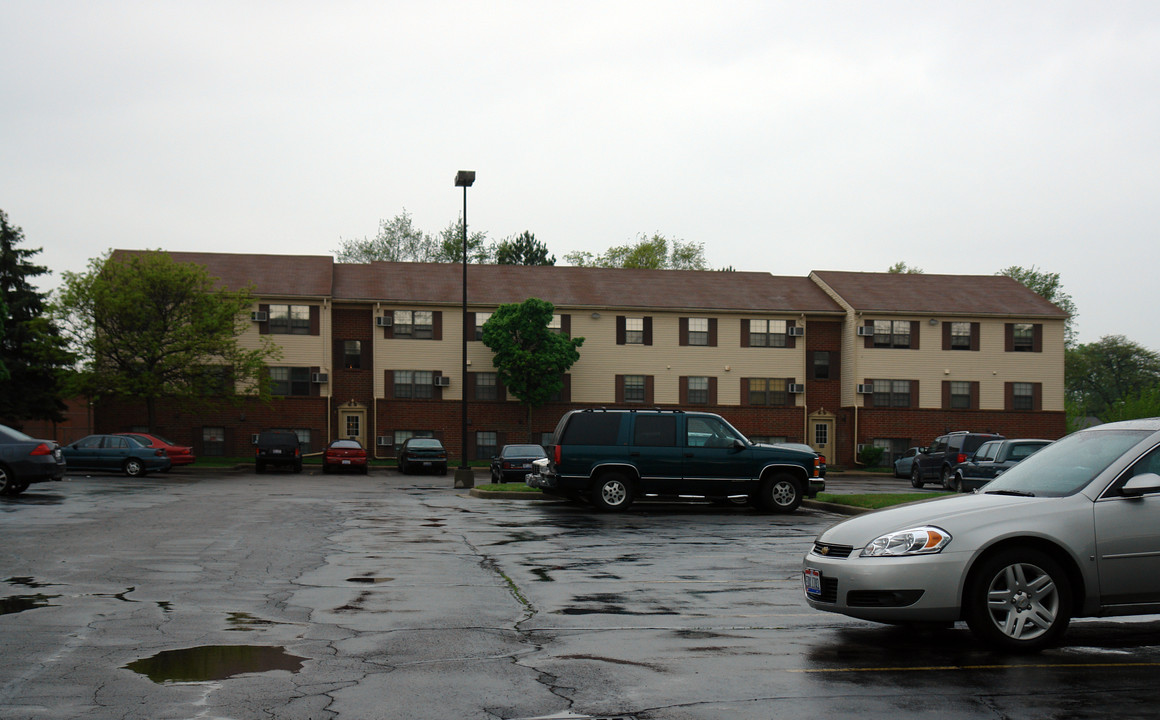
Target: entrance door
[
  {"x": 822, "y": 436},
  {"x": 352, "y": 425}
]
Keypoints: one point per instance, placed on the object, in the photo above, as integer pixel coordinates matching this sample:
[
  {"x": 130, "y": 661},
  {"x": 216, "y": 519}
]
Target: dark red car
[
  {"x": 178, "y": 454},
  {"x": 345, "y": 455}
]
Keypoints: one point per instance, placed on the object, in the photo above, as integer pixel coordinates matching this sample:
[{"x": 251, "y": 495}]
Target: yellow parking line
[{"x": 935, "y": 668}]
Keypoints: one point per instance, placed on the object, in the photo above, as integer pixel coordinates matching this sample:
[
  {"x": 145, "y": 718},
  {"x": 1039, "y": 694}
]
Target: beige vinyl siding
[{"x": 297, "y": 350}]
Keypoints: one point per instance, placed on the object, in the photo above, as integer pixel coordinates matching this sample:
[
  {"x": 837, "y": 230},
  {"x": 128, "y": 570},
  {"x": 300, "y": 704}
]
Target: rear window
[
  {"x": 592, "y": 429},
  {"x": 971, "y": 443}
]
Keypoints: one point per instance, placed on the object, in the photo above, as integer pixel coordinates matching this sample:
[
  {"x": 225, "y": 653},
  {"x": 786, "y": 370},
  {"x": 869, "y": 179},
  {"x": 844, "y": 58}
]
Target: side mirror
[{"x": 1141, "y": 485}]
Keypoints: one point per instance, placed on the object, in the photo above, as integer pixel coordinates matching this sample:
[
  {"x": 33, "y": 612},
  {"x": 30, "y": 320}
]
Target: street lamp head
[{"x": 464, "y": 178}]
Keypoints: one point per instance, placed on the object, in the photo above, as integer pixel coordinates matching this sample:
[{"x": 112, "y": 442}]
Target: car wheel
[
  {"x": 8, "y": 482},
  {"x": 957, "y": 482},
  {"x": 781, "y": 493},
  {"x": 134, "y": 467},
  {"x": 495, "y": 478},
  {"x": 916, "y": 477},
  {"x": 612, "y": 492},
  {"x": 364, "y": 469},
  {"x": 948, "y": 479},
  {"x": 443, "y": 470},
  {"x": 1019, "y": 600}
]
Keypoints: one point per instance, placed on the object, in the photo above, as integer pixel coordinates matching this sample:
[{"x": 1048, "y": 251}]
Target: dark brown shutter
[
  {"x": 975, "y": 336},
  {"x": 315, "y": 388},
  {"x": 869, "y": 339},
  {"x": 620, "y": 333},
  {"x": 619, "y": 389},
  {"x": 975, "y": 395},
  {"x": 790, "y": 340},
  {"x": 868, "y": 399},
  {"x": 712, "y": 332},
  {"x": 744, "y": 333},
  {"x": 713, "y": 391},
  {"x": 915, "y": 329},
  {"x": 648, "y": 330},
  {"x": 338, "y": 350},
  {"x": 469, "y": 326},
  {"x": 566, "y": 325},
  {"x": 1036, "y": 396},
  {"x": 1008, "y": 396},
  {"x": 469, "y": 386},
  {"x": 946, "y": 394},
  {"x": 914, "y": 394},
  {"x": 437, "y": 325},
  {"x": 388, "y": 383},
  {"x": 389, "y": 332},
  {"x": 1009, "y": 337},
  {"x": 315, "y": 320},
  {"x": 365, "y": 355},
  {"x": 500, "y": 391},
  {"x": 683, "y": 390},
  {"x": 1037, "y": 338},
  {"x": 946, "y": 332},
  {"x": 437, "y": 391},
  {"x": 648, "y": 389},
  {"x": 264, "y": 326},
  {"x": 683, "y": 332},
  {"x": 744, "y": 392}
]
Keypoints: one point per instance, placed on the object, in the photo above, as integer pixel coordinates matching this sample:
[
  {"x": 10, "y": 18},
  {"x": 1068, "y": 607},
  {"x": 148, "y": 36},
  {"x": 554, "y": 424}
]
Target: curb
[
  {"x": 508, "y": 495},
  {"x": 835, "y": 507}
]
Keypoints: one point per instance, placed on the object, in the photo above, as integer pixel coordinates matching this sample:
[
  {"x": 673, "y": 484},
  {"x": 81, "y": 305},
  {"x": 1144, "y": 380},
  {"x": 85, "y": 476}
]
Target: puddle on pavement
[
  {"x": 214, "y": 662},
  {"x": 25, "y": 581},
  {"x": 20, "y": 603},
  {"x": 542, "y": 575},
  {"x": 240, "y": 621},
  {"x": 369, "y": 580}
]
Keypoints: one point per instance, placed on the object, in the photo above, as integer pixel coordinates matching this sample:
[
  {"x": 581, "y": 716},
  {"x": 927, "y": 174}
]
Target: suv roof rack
[{"x": 632, "y": 410}]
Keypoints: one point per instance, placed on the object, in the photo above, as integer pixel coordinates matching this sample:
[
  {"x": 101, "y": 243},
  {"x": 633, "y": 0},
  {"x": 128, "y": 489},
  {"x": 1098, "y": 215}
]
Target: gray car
[
  {"x": 1072, "y": 531},
  {"x": 991, "y": 460}
]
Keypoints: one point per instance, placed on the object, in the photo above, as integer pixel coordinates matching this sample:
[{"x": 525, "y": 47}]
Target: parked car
[
  {"x": 937, "y": 461},
  {"x": 344, "y": 455},
  {"x": 1072, "y": 531},
  {"x": 990, "y": 461},
  {"x": 419, "y": 453},
  {"x": 903, "y": 464},
  {"x": 25, "y": 460},
  {"x": 278, "y": 448},
  {"x": 115, "y": 453},
  {"x": 514, "y": 462},
  {"x": 611, "y": 457},
  {"x": 178, "y": 454}
]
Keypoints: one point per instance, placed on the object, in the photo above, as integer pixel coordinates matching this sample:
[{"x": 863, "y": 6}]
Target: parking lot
[{"x": 234, "y": 595}]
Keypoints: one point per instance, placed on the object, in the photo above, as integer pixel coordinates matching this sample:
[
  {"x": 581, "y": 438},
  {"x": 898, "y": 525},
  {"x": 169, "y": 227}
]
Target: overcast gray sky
[{"x": 786, "y": 137}]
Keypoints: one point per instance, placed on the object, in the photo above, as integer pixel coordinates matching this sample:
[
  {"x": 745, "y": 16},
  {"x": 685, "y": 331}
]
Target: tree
[
  {"x": 648, "y": 254},
  {"x": 449, "y": 249},
  {"x": 901, "y": 268},
  {"x": 152, "y": 328},
  {"x": 398, "y": 241},
  {"x": 1047, "y": 286},
  {"x": 1110, "y": 372},
  {"x": 530, "y": 358},
  {"x": 32, "y": 348},
  {"x": 523, "y": 250}
]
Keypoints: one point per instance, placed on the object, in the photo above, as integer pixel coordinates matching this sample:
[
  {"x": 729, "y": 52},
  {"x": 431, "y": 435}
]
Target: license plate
[
  {"x": 813, "y": 580},
  {"x": 426, "y": 464},
  {"x": 276, "y": 451},
  {"x": 346, "y": 462}
]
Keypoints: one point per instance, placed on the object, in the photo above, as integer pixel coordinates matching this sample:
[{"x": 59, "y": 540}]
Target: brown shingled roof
[
  {"x": 289, "y": 275},
  {"x": 441, "y": 283},
  {"x": 942, "y": 294}
]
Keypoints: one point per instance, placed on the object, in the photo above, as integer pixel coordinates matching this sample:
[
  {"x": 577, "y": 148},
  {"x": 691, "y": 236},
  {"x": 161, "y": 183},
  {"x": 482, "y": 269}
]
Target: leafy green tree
[
  {"x": 649, "y": 253},
  {"x": 530, "y": 358},
  {"x": 901, "y": 268},
  {"x": 152, "y": 328},
  {"x": 449, "y": 248},
  {"x": 32, "y": 348},
  {"x": 1111, "y": 372},
  {"x": 523, "y": 250},
  {"x": 398, "y": 240},
  {"x": 1144, "y": 405},
  {"x": 1047, "y": 286}
]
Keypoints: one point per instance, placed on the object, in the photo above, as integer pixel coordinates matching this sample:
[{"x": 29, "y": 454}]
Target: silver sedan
[{"x": 1072, "y": 531}]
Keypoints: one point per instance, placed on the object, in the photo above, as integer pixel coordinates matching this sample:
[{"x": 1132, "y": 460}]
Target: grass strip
[{"x": 875, "y": 501}]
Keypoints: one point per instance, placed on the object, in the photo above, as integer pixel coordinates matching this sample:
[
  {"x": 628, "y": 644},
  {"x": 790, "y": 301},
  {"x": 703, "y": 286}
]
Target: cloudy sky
[{"x": 784, "y": 136}]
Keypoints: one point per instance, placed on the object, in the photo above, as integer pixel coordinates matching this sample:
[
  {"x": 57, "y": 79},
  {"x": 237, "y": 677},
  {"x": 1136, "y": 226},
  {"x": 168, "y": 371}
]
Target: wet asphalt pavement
[{"x": 234, "y": 595}]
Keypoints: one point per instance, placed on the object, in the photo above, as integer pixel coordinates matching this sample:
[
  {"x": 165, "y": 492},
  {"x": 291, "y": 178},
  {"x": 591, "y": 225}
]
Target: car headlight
[{"x": 925, "y": 540}]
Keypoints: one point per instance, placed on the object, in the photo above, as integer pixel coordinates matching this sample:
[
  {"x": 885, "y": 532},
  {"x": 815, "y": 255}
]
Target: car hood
[{"x": 956, "y": 515}]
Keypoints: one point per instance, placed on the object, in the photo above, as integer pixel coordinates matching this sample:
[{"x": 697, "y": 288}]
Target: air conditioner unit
[
  {"x": 384, "y": 441},
  {"x": 866, "y": 389},
  {"x": 253, "y": 438},
  {"x": 442, "y": 381},
  {"x": 320, "y": 378},
  {"x": 796, "y": 331},
  {"x": 259, "y": 316},
  {"x": 384, "y": 320},
  {"x": 861, "y": 447},
  {"x": 865, "y": 331},
  {"x": 795, "y": 388}
]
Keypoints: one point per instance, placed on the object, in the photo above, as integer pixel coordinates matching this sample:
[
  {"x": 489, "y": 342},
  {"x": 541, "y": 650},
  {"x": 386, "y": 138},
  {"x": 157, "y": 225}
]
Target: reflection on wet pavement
[{"x": 214, "y": 662}]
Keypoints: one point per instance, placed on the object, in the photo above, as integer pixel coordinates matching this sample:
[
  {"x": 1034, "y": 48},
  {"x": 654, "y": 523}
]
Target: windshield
[
  {"x": 1066, "y": 466},
  {"x": 523, "y": 450}
]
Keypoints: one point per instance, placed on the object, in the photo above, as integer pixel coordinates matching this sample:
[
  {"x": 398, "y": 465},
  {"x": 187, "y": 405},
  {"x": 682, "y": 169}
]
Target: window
[
  {"x": 1022, "y": 396},
  {"x": 213, "y": 441},
  {"x": 290, "y": 319},
  {"x": 352, "y": 354},
  {"x": 401, "y": 436},
  {"x": 634, "y": 387},
  {"x": 821, "y": 434},
  {"x": 353, "y": 426},
  {"x": 485, "y": 387},
  {"x": 414, "y": 384},
  {"x": 415, "y": 324},
  {"x": 655, "y": 431},
  {"x": 960, "y": 395},
  {"x": 960, "y": 336},
  {"x": 480, "y": 320},
  {"x": 768, "y": 391},
  {"x": 1024, "y": 337},
  {"x": 768, "y": 439},
  {"x": 891, "y": 393},
  {"x": 486, "y": 444},
  {"x": 698, "y": 331},
  {"x": 821, "y": 365},
  {"x": 709, "y": 432},
  {"x": 556, "y": 324},
  {"x": 767, "y": 333},
  {"x": 892, "y": 449},
  {"x": 891, "y": 333},
  {"x": 698, "y": 391},
  {"x": 303, "y": 439},
  {"x": 290, "y": 381},
  {"x": 634, "y": 331}
]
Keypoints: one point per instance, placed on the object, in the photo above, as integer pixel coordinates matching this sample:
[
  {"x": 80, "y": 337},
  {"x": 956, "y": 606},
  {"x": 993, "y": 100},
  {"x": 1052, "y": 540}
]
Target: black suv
[
  {"x": 278, "y": 447},
  {"x": 610, "y": 457},
  {"x": 937, "y": 462}
]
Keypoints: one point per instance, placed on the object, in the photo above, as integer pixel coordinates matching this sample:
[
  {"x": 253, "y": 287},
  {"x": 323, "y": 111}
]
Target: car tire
[
  {"x": 8, "y": 482},
  {"x": 443, "y": 470},
  {"x": 365, "y": 469},
  {"x": 403, "y": 468},
  {"x": 1019, "y": 600},
  {"x": 916, "y": 477},
  {"x": 948, "y": 479},
  {"x": 781, "y": 493},
  {"x": 612, "y": 492},
  {"x": 957, "y": 482},
  {"x": 134, "y": 467},
  {"x": 496, "y": 479}
]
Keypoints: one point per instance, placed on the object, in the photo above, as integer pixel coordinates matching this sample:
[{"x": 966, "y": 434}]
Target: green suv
[{"x": 611, "y": 457}]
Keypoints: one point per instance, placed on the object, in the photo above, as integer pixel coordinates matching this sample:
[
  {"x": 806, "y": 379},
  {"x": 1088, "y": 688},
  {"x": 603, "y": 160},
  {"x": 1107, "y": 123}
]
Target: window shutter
[
  {"x": 315, "y": 388},
  {"x": 913, "y": 394},
  {"x": 683, "y": 391},
  {"x": 946, "y": 394},
  {"x": 869, "y": 339},
  {"x": 1037, "y": 338},
  {"x": 566, "y": 392},
  {"x": 868, "y": 399},
  {"x": 1037, "y": 396},
  {"x": 566, "y": 325},
  {"x": 264, "y": 326},
  {"x": 469, "y": 326},
  {"x": 388, "y": 383},
  {"x": 713, "y": 390},
  {"x": 619, "y": 389},
  {"x": 975, "y": 336},
  {"x": 648, "y": 330},
  {"x": 745, "y": 391},
  {"x": 946, "y": 330},
  {"x": 365, "y": 355},
  {"x": 437, "y": 325},
  {"x": 315, "y": 320},
  {"x": 500, "y": 392},
  {"x": 620, "y": 329},
  {"x": 915, "y": 329},
  {"x": 469, "y": 386},
  {"x": 1008, "y": 395},
  {"x": 1009, "y": 337},
  {"x": 744, "y": 333},
  {"x": 975, "y": 395},
  {"x": 712, "y": 332},
  {"x": 790, "y": 340},
  {"x": 648, "y": 389},
  {"x": 683, "y": 332},
  {"x": 437, "y": 391}
]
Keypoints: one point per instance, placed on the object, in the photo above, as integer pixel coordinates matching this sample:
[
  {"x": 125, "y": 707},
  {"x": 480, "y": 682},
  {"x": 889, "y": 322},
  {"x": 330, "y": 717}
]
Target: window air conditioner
[
  {"x": 320, "y": 378},
  {"x": 861, "y": 447},
  {"x": 253, "y": 438},
  {"x": 795, "y": 388},
  {"x": 259, "y": 316},
  {"x": 384, "y": 320},
  {"x": 866, "y": 389},
  {"x": 796, "y": 331},
  {"x": 442, "y": 381},
  {"x": 865, "y": 330}
]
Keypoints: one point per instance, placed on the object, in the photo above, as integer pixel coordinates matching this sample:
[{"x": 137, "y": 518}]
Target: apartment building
[{"x": 836, "y": 360}]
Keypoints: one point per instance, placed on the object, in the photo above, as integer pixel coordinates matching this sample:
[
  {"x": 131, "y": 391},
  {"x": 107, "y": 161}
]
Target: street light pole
[{"x": 464, "y": 477}]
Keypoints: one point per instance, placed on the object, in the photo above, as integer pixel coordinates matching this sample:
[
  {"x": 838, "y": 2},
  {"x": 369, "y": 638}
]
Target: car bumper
[
  {"x": 37, "y": 472},
  {"x": 923, "y": 588}
]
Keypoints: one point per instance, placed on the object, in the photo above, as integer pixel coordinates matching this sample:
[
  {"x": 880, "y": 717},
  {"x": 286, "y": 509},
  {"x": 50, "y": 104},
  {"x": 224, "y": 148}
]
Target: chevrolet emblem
[{"x": 825, "y": 550}]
